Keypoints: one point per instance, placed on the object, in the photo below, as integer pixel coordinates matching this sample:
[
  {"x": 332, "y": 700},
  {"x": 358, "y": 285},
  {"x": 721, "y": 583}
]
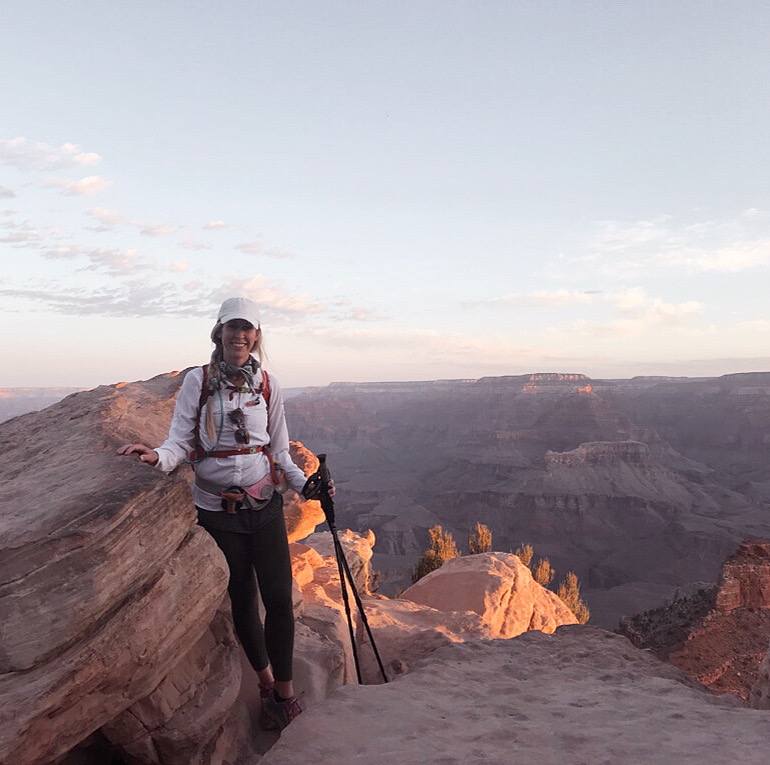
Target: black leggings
[{"x": 255, "y": 541}]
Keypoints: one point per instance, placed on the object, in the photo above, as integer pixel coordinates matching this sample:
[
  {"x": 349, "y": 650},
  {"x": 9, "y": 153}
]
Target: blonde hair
[{"x": 217, "y": 355}]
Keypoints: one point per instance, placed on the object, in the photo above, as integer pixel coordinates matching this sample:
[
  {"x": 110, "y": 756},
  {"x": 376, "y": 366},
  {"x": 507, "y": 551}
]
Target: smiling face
[{"x": 238, "y": 339}]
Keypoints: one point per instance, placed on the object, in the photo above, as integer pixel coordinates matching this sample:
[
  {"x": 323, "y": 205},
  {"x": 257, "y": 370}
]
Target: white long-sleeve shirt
[{"x": 239, "y": 470}]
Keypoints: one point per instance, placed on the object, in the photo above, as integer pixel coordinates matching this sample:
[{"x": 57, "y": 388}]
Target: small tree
[
  {"x": 569, "y": 592},
  {"x": 442, "y": 548},
  {"x": 525, "y": 553},
  {"x": 480, "y": 540},
  {"x": 542, "y": 573}
]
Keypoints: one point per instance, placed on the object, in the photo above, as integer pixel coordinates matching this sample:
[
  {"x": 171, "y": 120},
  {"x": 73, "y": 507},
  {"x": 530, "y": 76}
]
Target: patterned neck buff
[{"x": 248, "y": 371}]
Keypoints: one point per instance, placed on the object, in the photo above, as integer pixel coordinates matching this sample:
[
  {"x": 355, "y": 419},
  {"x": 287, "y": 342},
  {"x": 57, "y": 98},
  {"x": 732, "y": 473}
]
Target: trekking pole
[{"x": 317, "y": 487}]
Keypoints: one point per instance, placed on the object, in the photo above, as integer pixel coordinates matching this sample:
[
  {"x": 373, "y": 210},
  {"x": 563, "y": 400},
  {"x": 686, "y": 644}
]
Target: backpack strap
[
  {"x": 266, "y": 396},
  {"x": 197, "y": 454},
  {"x": 266, "y": 393}
]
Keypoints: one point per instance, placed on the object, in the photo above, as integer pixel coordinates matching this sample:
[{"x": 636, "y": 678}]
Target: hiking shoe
[
  {"x": 265, "y": 693},
  {"x": 281, "y": 712}
]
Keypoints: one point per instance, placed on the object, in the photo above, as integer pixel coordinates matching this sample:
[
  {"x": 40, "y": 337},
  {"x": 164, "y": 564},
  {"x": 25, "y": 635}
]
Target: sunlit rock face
[
  {"x": 302, "y": 516},
  {"x": 745, "y": 579},
  {"x": 496, "y": 586}
]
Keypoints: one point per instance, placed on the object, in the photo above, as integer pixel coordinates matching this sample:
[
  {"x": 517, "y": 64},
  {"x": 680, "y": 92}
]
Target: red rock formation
[
  {"x": 725, "y": 650},
  {"x": 745, "y": 580}
]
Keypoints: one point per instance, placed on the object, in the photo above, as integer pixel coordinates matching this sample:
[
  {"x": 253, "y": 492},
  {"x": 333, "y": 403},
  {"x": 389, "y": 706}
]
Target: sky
[{"x": 410, "y": 190}]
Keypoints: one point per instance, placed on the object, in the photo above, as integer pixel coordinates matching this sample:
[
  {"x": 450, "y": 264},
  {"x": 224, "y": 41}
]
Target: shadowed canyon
[{"x": 640, "y": 486}]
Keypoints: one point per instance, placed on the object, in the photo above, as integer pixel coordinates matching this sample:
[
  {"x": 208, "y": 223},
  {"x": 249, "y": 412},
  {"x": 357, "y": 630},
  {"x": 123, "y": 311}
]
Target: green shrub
[
  {"x": 525, "y": 553},
  {"x": 542, "y": 573},
  {"x": 442, "y": 548},
  {"x": 480, "y": 540},
  {"x": 569, "y": 592}
]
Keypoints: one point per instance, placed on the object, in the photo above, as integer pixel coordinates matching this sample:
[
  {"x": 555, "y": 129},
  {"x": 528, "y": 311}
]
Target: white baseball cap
[{"x": 239, "y": 308}]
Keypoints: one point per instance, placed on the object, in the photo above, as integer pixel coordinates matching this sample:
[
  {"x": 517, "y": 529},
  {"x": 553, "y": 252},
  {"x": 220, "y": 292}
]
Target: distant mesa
[{"x": 601, "y": 453}]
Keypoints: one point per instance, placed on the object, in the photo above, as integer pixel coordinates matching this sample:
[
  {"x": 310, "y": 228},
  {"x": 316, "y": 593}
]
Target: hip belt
[{"x": 235, "y": 498}]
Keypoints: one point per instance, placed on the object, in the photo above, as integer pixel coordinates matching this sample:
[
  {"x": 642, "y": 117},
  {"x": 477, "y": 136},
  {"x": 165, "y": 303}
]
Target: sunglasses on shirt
[{"x": 238, "y": 418}]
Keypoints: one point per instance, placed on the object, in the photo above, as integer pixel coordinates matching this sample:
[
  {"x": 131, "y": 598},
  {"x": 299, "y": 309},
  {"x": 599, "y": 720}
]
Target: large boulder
[
  {"x": 193, "y": 712},
  {"x": 496, "y": 586},
  {"x": 105, "y": 581}
]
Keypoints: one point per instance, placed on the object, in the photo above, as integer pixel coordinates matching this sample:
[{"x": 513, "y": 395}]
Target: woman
[{"x": 229, "y": 422}]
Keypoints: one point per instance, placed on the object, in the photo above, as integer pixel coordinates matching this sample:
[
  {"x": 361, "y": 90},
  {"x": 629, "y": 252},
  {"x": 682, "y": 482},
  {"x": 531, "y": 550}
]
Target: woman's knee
[{"x": 278, "y": 602}]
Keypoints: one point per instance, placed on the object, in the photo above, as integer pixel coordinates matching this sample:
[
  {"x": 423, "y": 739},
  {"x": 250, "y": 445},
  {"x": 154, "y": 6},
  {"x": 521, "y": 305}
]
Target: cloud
[
  {"x": 257, "y": 247},
  {"x": 194, "y": 244},
  {"x": 20, "y": 233},
  {"x": 273, "y": 300},
  {"x": 636, "y": 314},
  {"x": 215, "y": 225},
  {"x": 108, "y": 218},
  {"x": 409, "y": 349},
  {"x": 28, "y": 236},
  {"x": 179, "y": 265},
  {"x": 544, "y": 298},
  {"x": 156, "y": 229},
  {"x": 361, "y": 314},
  {"x": 91, "y": 184},
  {"x": 6, "y": 193},
  {"x": 34, "y": 155},
  {"x": 147, "y": 297},
  {"x": 723, "y": 245},
  {"x": 753, "y": 326},
  {"x": 739, "y": 256},
  {"x": 134, "y": 299},
  {"x": 109, "y": 260}
]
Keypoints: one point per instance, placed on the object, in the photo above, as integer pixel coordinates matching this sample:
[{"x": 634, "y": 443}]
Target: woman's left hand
[{"x": 332, "y": 490}]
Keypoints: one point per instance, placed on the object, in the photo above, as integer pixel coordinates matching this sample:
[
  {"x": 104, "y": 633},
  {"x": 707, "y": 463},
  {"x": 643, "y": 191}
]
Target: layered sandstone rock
[
  {"x": 745, "y": 579},
  {"x": 104, "y": 580},
  {"x": 496, "y": 586},
  {"x": 726, "y": 648},
  {"x": 357, "y": 549},
  {"x": 192, "y": 717},
  {"x": 601, "y": 453},
  {"x": 108, "y": 589},
  {"x": 581, "y": 695},
  {"x": 759, "y": 697},
  {"x": 717, "y": 634}
]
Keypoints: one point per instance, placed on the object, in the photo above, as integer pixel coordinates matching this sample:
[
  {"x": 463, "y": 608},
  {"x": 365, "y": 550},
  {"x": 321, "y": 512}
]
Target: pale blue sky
[{"x": 412, "y": 190}]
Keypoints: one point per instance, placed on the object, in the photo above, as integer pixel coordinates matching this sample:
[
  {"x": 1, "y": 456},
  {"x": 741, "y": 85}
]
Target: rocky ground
[{"x": 582, "y": 696}]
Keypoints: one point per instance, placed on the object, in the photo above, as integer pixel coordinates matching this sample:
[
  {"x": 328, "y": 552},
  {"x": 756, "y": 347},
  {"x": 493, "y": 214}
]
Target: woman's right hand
[{"x": 145, "y": 454}]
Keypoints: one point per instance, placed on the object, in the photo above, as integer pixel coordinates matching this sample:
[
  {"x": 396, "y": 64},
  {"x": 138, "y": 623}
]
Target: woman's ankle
[{"x": 284, "y": 689}]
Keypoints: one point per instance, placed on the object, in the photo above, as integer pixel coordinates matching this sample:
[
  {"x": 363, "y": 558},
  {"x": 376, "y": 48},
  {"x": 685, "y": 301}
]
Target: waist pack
[{"x": 236, "y": 498}]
